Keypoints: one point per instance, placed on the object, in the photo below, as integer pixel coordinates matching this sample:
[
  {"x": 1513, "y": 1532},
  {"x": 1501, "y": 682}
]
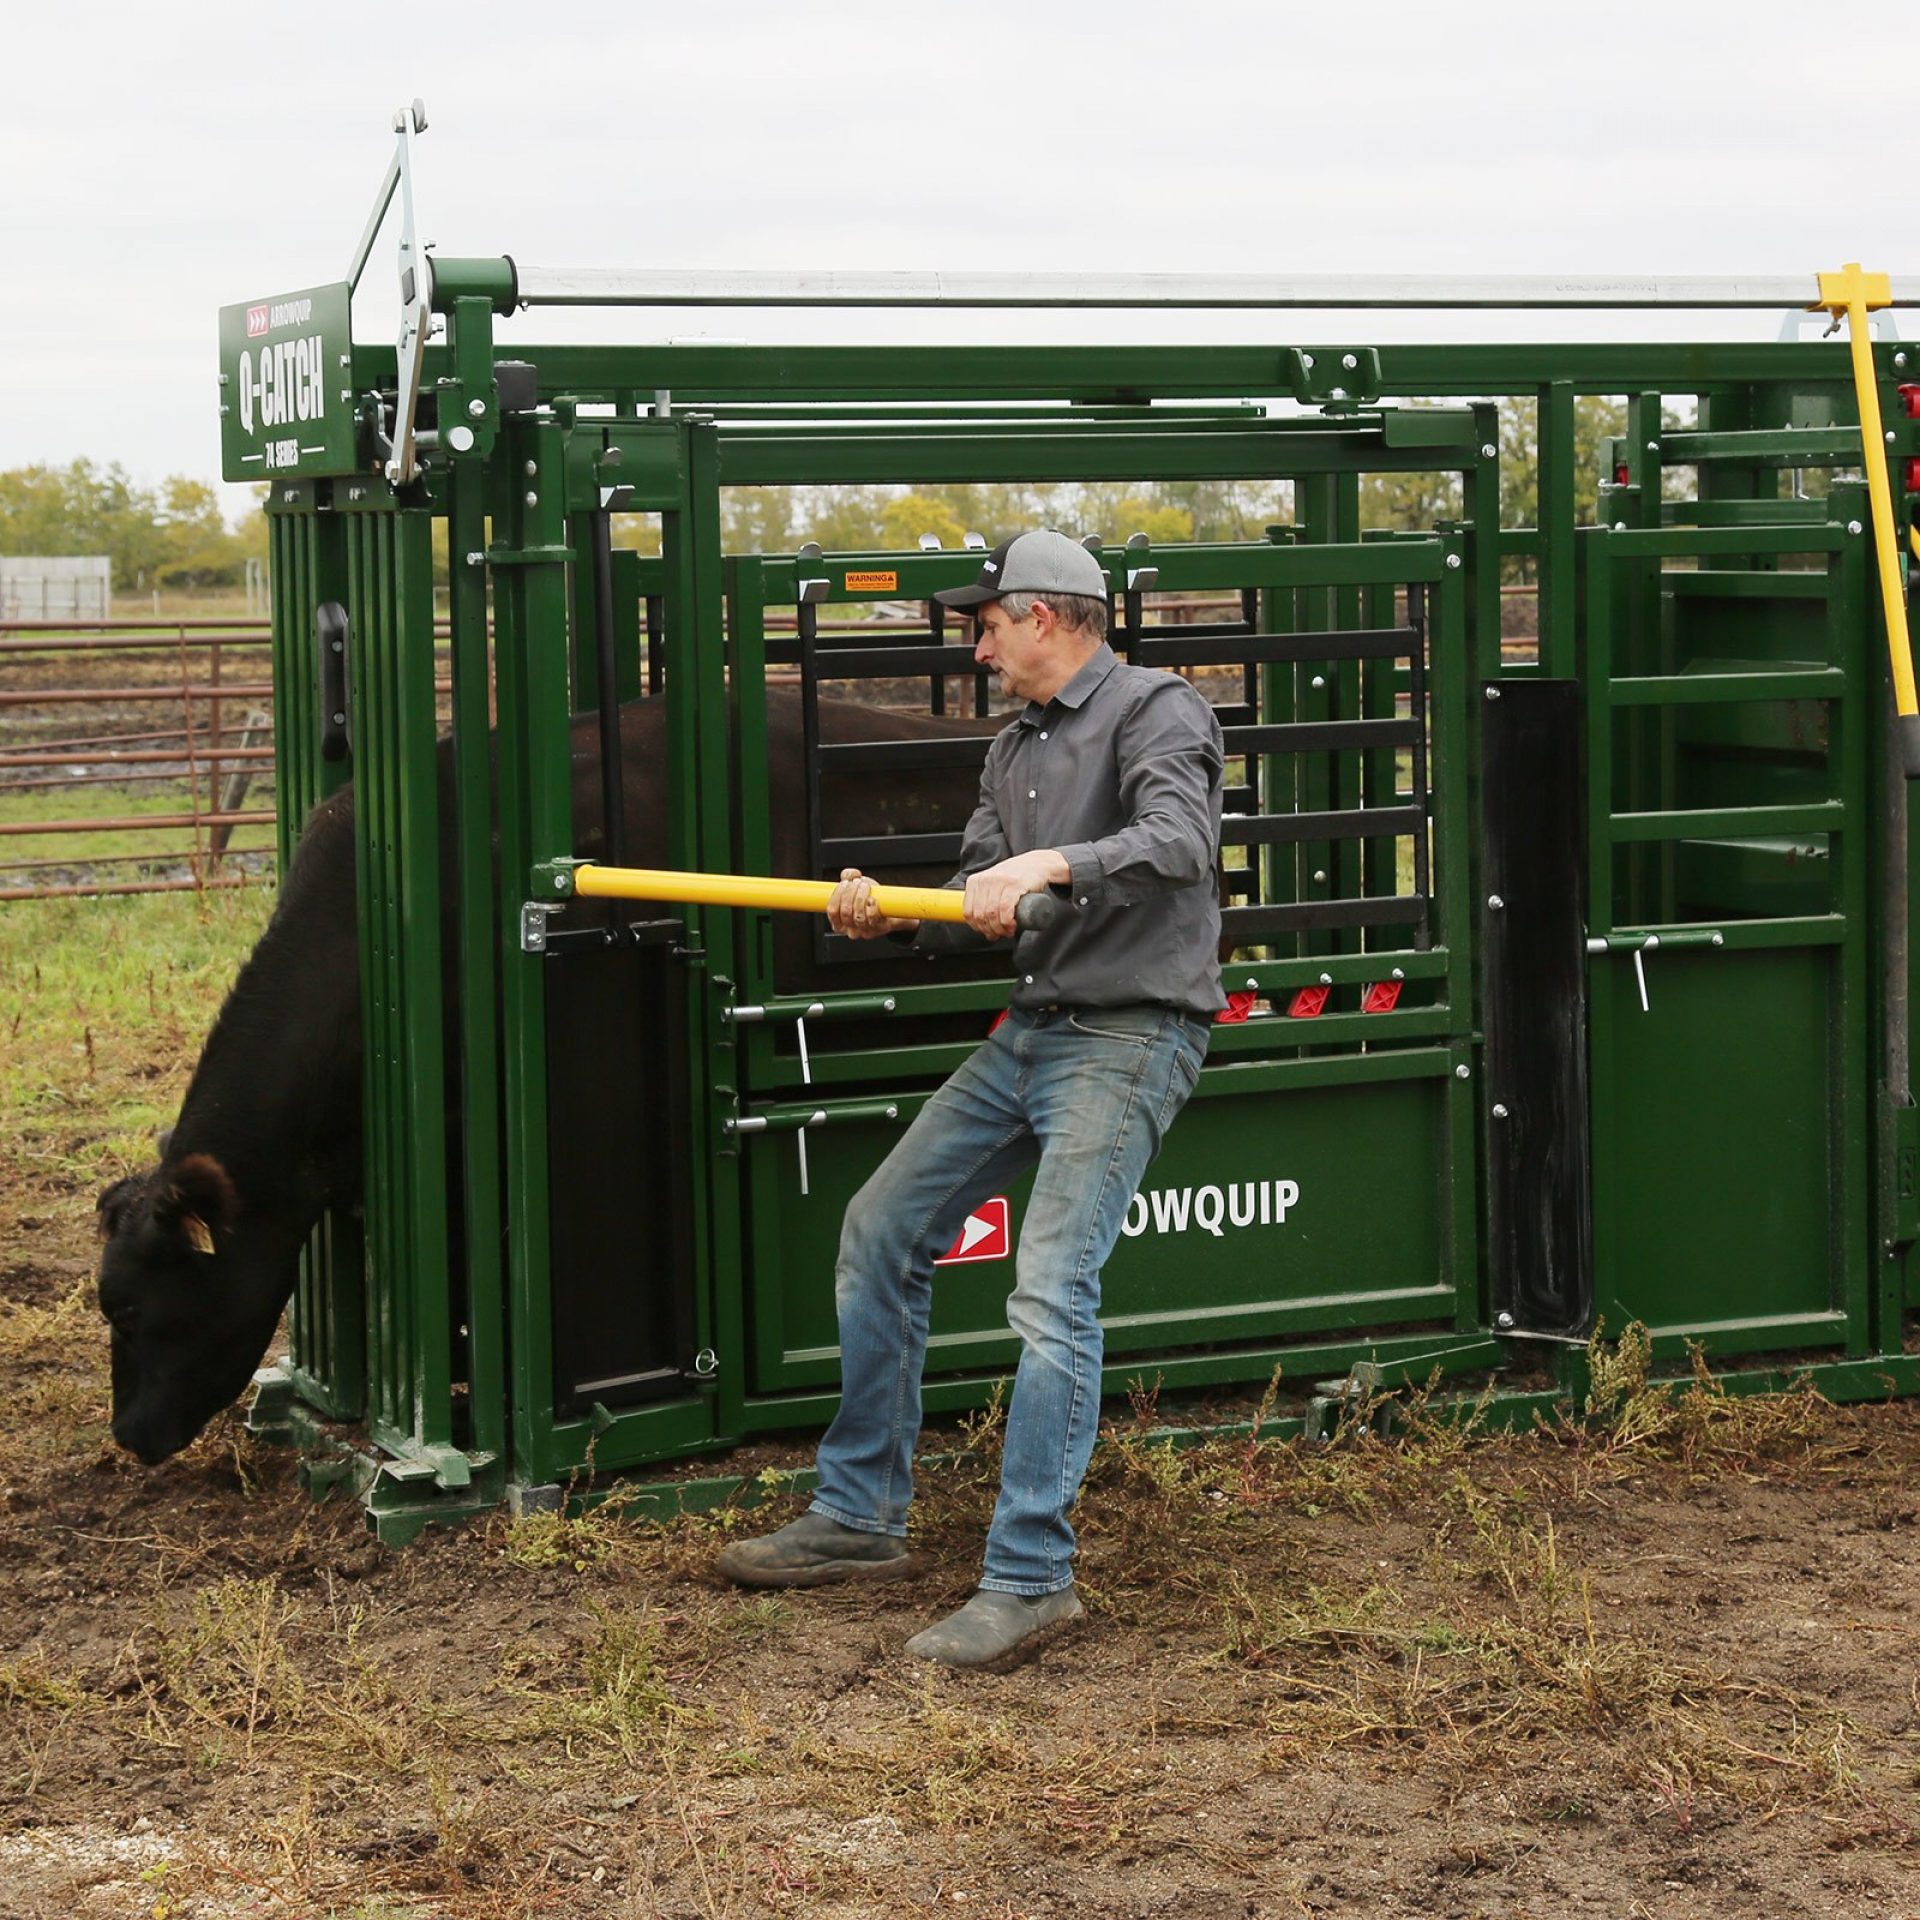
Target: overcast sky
[{"x": 158, "y": 162}]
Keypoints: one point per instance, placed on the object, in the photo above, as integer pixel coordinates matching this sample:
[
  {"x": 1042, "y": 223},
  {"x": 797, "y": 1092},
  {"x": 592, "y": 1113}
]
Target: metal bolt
[
  {"x": 559, "y": 883},
  {"x": 1453, "y": 560},
  {"x": 1499, "y": 1109},
  {"x": 1349, "y": 361},
  {"x": 1489, "y": 451},
  {"x": 1463, "y": 1073},
  {"x": 1619, "y": 526},
  {"x": 1339, "y": 393},
  {"x": 1853, "y": 526},
  {"x": 1399, "y": 973},
  {"x": 1495, "y": 902},
  {"x": 1306, "y": 360},
  {"x": 1899, "y": 359},
  {"x": 1719, "y": 940},
  {"x": 1319, "y": 681},
  {"x": 533, "y": 469},
  {"x": 1504, "y": 1321},
  {"x": 476, "y": 559},
  {"x": 1890, "y": 436},
  {"x": 1493, "y": 693},
  {"x": 1653, "y": 446},
  {"x": 1320, "y": 876},
  {"x": 476, "y": 409},
  {"x": 346, "y": 359},
  {"x": 356, "y": 493},
  {"x": 533, "y": 499},
  {"x": 1326, "y": 979},
  {"x": 1252, "y": 984}
]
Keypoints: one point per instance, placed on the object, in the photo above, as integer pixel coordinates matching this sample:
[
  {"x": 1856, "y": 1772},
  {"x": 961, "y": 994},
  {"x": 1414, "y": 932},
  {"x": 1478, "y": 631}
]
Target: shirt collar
[{"x": 1080, "y": 689}]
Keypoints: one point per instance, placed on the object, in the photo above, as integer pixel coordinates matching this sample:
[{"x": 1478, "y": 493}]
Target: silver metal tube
[{"x": 662, "y": 287}]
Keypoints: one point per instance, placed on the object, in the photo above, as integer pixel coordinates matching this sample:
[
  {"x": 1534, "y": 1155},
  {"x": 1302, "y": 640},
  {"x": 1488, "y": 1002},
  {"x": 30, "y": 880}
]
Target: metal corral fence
[
  {"x": 136, "y": 756},
  {"x": 157, "y": 738}
]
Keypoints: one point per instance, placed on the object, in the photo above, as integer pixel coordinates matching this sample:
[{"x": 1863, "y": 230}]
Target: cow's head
[{"x": 187, "y": 1327}]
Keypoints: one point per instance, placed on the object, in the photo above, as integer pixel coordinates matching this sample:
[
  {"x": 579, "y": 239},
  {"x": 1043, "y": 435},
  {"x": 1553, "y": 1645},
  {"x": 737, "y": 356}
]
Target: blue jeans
[{"x": 1088, "y": 1094}]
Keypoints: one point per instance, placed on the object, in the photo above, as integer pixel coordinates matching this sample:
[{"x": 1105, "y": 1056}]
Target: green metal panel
[
  {"x": 306, "y": 566},
  {"x": 1731, "y": 1148},
  {"x": 397, "y": 856},
  {"x": 1320, "y": 1209}
]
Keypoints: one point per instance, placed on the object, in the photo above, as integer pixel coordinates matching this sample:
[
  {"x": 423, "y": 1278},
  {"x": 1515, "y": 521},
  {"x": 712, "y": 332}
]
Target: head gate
[{"x": 1569, "y": 968}]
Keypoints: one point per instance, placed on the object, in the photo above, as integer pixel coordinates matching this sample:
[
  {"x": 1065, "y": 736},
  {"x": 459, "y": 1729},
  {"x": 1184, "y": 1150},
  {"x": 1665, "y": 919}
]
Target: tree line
[{"x": 171, "y": 535}]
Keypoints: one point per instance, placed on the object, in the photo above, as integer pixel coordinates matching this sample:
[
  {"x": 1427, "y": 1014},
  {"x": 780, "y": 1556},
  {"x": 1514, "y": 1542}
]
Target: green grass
[{"x": 103, "y": 1006}]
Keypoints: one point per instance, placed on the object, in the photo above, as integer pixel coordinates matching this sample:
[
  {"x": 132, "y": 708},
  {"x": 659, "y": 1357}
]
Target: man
[{"x": 1106, "y": 786}]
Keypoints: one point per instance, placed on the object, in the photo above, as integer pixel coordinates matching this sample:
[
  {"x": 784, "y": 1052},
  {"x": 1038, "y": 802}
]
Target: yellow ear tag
[{"x": 198, "y": 1238}]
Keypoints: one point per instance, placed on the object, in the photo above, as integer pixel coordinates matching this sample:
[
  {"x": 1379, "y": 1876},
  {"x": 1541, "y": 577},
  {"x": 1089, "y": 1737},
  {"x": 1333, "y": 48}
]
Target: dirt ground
[
  {"x": 1664, "y": 1663},
  {"x": 1663, "y": 1667}
]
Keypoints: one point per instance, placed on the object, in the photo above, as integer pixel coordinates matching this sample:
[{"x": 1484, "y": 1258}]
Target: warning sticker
[
  {"x": 874, "y": 582},
  {"x": 985, "y": 1234}
]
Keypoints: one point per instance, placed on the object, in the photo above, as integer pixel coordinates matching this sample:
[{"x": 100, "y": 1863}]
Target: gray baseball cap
[{"x": 1039, "y": 562}]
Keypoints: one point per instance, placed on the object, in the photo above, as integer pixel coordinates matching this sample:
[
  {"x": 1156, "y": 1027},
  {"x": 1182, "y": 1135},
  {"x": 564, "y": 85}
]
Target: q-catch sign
[{"x": 286, "y": 385}]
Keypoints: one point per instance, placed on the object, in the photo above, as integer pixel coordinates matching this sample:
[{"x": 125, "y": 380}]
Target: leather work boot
[
  {"x": 994, "y": 1631},
  {"x": 813, "y": 1551}
]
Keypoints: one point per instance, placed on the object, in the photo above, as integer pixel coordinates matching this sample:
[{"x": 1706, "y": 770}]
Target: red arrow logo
[{"x": 985, "y": 1234}]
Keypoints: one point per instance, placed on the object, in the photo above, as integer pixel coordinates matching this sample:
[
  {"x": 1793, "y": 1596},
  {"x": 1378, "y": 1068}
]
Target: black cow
[{"x": 201, "y": 1252}]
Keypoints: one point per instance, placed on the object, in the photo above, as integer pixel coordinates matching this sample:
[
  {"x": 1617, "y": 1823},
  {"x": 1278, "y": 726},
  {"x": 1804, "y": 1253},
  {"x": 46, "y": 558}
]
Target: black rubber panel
[{"x": 1539, "y": 1155}]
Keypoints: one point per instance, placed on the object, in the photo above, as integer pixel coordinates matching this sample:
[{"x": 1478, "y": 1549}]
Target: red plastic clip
[
  {"x": 1308, "y": 1003},
  {"x": 1239, "y": 1007},
  {"x": 1910, "y": 399},
  {"x": 1620, "y": 475},
  {"x": 1382, "y": 996}
]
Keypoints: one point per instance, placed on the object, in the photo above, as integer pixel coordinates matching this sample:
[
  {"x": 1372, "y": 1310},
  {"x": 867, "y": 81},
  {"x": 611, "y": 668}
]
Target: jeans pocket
[{"x": 1139, "y": 1026}]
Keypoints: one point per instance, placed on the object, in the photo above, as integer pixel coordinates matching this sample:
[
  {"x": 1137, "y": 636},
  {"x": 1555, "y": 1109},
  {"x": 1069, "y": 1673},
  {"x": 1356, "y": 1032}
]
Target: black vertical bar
[
  {"x": 656, "y": 642},
  {"x": 937, "y": 631},
  {"x": 612, "y": 784},
  {"x": 1539, "y": 1127},
  {"x": 1417, "y": 696}
]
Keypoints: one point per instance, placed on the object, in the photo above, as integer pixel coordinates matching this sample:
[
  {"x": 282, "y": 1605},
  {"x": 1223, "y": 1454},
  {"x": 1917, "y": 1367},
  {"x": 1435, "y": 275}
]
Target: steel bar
[
  {"x": 128, "y": 886},
  {"x": 130, "y": 822},
  {"x": 155, "y": 855},
  {"x": 668, "y": 287},
  {"x": 792, "y": 896},
  {"x": 9, "y": 760},
  {"x": 74, "y": 696}
]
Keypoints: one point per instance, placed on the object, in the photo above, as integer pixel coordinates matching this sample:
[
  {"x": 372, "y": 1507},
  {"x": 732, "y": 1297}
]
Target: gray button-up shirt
[{"x": 1121, "y": 773}]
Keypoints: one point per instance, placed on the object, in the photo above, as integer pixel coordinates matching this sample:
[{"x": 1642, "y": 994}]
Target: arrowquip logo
[
  {"x": 1244, "y": 1203},
  {"x": 256, "y": 321}
]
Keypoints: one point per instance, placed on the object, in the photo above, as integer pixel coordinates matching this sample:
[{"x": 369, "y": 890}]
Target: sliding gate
[{"x": 1322, "y": 1181}]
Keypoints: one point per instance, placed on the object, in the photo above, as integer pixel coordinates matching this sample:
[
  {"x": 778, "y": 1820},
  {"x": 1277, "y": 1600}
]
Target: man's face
[{"x": 1015, "y": 649}]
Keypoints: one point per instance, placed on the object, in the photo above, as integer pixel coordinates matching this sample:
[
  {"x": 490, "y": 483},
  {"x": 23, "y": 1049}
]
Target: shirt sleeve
[{"x": 1170, "y": 758}]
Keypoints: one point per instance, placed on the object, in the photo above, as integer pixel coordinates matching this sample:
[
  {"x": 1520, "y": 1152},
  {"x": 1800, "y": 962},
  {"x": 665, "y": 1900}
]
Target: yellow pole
[
  {"x": 1855, "y": 294},
  {"x": 752, "y": 890}
]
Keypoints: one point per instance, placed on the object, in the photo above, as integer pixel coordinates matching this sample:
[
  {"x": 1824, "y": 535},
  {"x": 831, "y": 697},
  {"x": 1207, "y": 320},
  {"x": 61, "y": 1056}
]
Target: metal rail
[{"x": 665, "y": 287}]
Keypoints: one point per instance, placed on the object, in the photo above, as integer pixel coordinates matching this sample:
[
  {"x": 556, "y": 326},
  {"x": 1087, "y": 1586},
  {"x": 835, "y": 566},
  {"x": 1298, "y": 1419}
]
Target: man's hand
[
  {"x": 994, "y": 894},
  {"x": 850, "y": 909}
]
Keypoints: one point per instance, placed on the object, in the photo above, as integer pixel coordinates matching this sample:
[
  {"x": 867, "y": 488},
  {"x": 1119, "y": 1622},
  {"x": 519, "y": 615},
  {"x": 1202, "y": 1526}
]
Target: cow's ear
[
  {"x": 111, "y": 1209},
  {"x": 195, "y": 1198}
]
